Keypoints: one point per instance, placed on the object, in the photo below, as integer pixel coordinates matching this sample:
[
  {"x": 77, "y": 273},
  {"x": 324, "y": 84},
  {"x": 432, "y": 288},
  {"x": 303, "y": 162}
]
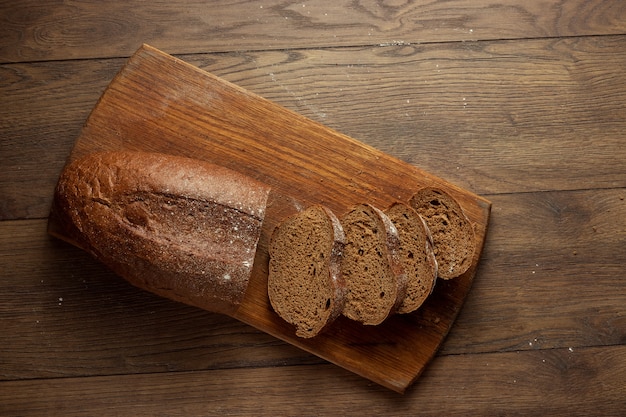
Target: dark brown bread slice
[
  {"x": 305, "y": 285},
  {"x": 452, "y": 231},
  {"x": 371, "y": 265},
  {"x": 416, "y": 250},
  {"x": 181, "y": 228}
]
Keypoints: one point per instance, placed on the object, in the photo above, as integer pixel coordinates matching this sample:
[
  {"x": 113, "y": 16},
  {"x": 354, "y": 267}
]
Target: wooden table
[{"x": 523, "y": 103}]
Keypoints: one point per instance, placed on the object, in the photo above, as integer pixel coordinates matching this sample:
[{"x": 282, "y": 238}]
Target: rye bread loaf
[
  {"x": 178, "y": 227},
  {"x": 305, "y": 285},
  {"x": 416, "y": 251},
  {"x": 371, "y": 265},
  {"x": 452, "y": 231}
]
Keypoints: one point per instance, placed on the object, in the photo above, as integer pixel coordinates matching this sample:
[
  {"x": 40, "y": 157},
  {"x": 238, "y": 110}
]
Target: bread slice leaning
[
  {"x": 371, "y": 265},
  {"x": 452, "y": 231},
  {"x": 416, "y": 251},
  {"x": 305, "y": 285}
]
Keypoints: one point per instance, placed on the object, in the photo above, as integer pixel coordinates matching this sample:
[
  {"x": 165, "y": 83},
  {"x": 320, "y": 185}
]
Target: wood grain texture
[
  {"x": 79, "y": 30},
  {"x": 60, "y": 310},
  {"x": 43, "y": 107},
  {"x": 540, "y": 133},
  {"x": 537, "y": 115},
  {"x": 554, "y": 262},
  {"x": 536, "y": 383}
]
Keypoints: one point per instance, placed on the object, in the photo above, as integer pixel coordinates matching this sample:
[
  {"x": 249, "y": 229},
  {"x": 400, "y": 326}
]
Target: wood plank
[
  {"x": 555, "y": 382},
  {"x": 535, "y": 112},
  {"x": 43, "y": 107},
  {"x": 158, "y": 103},
  {"x": 492, "y": 117},
  {"x": 36, "y": 31},
  {"x": 541, "y": 111},
  {"x": 559, "y": 288},
  {"x": 61, "y": 317},
  {"x": 551, "y": 274}
]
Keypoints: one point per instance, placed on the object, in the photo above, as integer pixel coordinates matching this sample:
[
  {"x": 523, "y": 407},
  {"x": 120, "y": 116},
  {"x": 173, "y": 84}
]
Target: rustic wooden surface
[
  {"x": 523, "y": 103},
  {"x": 188, "y": 112}
]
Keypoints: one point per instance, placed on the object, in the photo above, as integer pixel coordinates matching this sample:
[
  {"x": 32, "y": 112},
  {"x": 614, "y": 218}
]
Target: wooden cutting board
[{"x": 162, "y": 104}]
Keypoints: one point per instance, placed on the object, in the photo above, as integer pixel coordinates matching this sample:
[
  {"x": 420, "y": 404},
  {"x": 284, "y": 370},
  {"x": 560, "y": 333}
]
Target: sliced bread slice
[
  {"x": 371, "y": 265},
  {"x": 452, "y": 231},
  {"x": 416, "y": 250},
  {"x": 305, "y": 285}
]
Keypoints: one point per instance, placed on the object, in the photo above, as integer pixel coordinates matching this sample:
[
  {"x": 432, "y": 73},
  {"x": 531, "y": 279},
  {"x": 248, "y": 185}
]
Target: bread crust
[
  {"x": 335, "y": 274},
  {"x": 181, "y": 228}
]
